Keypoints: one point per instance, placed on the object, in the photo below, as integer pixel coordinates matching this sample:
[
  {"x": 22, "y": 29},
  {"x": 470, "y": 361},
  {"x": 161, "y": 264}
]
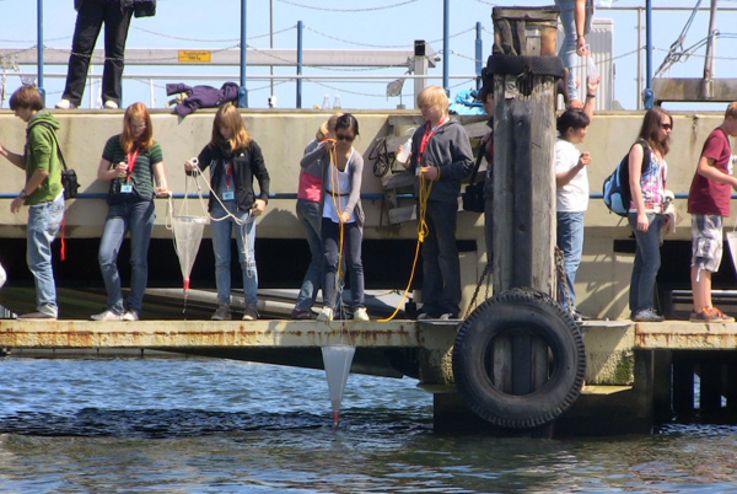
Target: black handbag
[
  {"x": 68, "y": 175},
  {"x": 473, "y": 194}
]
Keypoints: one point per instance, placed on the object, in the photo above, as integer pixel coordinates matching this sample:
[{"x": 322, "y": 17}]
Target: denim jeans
[
  {"x": 90, "y": 18},
  {"x": 353, "y": 237},
  {"x": 137, "y": 219},
  {"x": 567, "y": 50},
  {"x": 647, "y": 262},
  {"x": 221, "y": 243},
  {"x": 44, "y": 221},
  {"x": 570, "y": 241},
  {"x": 309, "y": 215},
  {"x": 441, "y": 268}
]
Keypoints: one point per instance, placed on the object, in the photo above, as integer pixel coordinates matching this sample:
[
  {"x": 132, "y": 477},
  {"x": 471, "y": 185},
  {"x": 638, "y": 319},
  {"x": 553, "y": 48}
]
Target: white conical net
[
  {"x": 337, "y": 360},
  {"x": 187, "y": 237}
]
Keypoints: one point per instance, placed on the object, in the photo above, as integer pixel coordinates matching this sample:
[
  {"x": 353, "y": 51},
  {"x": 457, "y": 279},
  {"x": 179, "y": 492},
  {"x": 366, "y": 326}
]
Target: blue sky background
[{"x": 366, "y": 24}]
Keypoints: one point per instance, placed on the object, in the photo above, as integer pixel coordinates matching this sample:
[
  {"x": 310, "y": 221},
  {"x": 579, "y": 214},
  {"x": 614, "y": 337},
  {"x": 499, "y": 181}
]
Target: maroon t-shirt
[{"x": 708, "y": 196}]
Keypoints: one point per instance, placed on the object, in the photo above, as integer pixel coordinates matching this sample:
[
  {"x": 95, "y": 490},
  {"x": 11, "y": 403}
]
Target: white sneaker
[
  {"x": 130, "y": 315},
  {"x": 326, "y": 314},
  {"x": 107, "y": 315},
  {"x": 360, "y": 314},
  {"x": 65, "y": 104},
  {"x": 110, "y": 105}
]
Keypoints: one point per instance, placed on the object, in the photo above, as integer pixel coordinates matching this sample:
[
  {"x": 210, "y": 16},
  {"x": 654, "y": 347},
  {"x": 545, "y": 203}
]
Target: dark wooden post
[{"x": 525, "y": 71}]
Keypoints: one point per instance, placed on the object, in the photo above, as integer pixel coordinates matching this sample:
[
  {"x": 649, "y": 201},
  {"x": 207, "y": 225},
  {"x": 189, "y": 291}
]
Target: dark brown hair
[{"x": 651, "y": 127}]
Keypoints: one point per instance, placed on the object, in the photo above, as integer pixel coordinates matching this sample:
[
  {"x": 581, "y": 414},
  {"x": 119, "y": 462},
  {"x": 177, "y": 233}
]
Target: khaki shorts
[{"x": 706, "y": 241}]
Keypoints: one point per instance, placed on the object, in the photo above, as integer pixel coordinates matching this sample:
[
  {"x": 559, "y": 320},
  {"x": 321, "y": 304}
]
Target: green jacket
[{"x": 41, "y": 154}]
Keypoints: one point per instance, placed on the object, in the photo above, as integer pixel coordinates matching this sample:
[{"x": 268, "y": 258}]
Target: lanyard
[
  {"x": 228, "y": 175},
  {"x": 132, "y": 158},
  {"x": 429, "y": 133}
]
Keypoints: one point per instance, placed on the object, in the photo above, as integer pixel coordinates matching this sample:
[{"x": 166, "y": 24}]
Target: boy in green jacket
[{"x": 42, "y": 192}]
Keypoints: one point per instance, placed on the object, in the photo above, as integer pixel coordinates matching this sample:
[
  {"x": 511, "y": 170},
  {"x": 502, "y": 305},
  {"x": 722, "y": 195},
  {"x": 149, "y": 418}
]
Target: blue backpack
[{"x": 616, "y": 190}]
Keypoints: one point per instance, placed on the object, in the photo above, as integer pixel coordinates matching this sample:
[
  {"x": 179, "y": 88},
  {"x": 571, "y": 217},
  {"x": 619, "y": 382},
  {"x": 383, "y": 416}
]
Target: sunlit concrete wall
[{"x": 602, "y": 284}]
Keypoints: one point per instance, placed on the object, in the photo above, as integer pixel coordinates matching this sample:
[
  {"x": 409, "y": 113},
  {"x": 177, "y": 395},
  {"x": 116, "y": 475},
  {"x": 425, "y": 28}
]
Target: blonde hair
[
  {"x": 228, "y": 116},
  {"x": 327, "y": 127},
  {"x": 139, "y": 113},
  {"x": 731, "y": 111},
  {"x": 435, "y": 97}
]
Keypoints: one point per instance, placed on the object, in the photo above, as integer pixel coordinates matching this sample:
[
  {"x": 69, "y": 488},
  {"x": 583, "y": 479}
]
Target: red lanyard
[
  {"x": 228, "y": 175},
  {"x": 429, "y": 133},
  {"x": 132, "y": 158}
]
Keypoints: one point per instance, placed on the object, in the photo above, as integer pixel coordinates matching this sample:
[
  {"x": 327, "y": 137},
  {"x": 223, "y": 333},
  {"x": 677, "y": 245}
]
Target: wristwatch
[{"x": 22, "y": 194}]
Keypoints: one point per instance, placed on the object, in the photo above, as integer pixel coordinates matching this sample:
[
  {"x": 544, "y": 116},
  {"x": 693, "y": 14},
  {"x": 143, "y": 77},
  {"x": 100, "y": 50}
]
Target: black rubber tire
[{"x": 512, "y": 312}]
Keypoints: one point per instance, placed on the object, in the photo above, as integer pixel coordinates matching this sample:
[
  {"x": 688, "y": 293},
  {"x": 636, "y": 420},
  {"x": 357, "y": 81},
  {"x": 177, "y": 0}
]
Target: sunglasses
[
  {"x": 666, "y": 126},
  {"x": 343, "y": 137}
]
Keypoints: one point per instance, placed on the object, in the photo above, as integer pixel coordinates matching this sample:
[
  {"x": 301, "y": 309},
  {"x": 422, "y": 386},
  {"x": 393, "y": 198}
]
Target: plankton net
[
  {"x": 187, "y": 233},
  {"x": 337, "y": 360}
]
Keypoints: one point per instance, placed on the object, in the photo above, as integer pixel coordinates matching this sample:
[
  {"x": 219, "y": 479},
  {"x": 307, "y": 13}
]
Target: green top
[
  {"x": 142, "y": 178},
  {"x": 41, "y": 154}
]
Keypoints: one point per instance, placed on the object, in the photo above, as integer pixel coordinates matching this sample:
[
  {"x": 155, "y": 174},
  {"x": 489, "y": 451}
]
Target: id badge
[
  {"x": 228, "y": 195},
  {"x": 126, "y": 189}
]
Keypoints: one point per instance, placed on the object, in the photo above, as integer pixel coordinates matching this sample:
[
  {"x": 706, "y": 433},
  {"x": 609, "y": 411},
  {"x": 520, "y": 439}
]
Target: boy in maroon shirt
[{"x": 708, "y": 204}]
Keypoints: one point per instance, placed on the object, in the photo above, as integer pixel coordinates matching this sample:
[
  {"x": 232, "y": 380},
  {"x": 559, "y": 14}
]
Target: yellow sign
[{"x": 195, "y": 56}]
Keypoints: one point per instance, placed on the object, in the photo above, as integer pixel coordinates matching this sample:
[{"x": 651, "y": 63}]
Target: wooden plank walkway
[
  {"x": 673, "y": 335},
  {"x": 204, "y": 334}
]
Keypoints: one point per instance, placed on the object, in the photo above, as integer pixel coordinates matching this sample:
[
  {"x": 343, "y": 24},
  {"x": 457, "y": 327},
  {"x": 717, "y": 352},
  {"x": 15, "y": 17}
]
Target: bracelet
[
  {"x": 22, "y": 194},
  {"x": 590, "y": 95}
]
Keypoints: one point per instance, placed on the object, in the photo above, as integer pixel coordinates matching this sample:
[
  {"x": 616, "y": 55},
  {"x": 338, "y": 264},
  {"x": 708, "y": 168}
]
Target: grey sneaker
[
  {"x": 251, "y": 313},
  {"x": 37, "y": 315},
  {"x": 647, "y": 315},
  {"x": 107, "y": 315},
  {"x": 222, "y": 313}
]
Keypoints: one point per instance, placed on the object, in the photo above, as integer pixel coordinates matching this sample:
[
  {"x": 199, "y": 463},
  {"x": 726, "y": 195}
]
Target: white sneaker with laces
[
  {"x": 107, "y": 315},
  {"x": 130, "y": 315},
  {"x": 360, "y": 314},
  {"x": 110, "y": 105},
  {"x": 326, "y": 314},
  {"x": 65, "y": 104}
]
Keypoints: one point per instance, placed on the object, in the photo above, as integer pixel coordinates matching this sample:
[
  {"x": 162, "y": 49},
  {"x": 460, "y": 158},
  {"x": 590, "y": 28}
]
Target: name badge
[
  {"x": 126, "y": 189},
  {"x": 228, "y": 195}
]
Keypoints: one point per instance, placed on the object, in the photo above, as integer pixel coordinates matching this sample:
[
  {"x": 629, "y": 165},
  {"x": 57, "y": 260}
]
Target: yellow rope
[{"x": 422, "y": 231}]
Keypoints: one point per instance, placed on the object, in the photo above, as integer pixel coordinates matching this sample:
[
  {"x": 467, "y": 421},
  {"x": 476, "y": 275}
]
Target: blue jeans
[
  {"x": 44, "y": 221},
  {"x": 441, "y": 268},
  {"x": 647, "y": 262},
  {"x": 353, "y": 237},
  {"x": 570, "y": 241},
  {"x": 567, "y": 51},
  {"x": 309, "y": 215},
  {"x": 136, "y": 218},
  {"x": 221, "y": 243}
]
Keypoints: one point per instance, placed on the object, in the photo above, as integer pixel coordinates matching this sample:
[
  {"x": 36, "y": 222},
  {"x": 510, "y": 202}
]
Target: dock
[{"x": 637, "y": 375}]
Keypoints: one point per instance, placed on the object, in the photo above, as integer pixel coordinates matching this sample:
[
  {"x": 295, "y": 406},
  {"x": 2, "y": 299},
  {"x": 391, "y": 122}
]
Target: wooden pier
[{"x": 638, "y": 374}]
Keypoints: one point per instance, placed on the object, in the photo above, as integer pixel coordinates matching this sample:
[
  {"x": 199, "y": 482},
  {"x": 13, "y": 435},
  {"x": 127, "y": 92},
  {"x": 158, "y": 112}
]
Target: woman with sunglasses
[
  {"x": 134, "y": 165},
  {"x": 342, "y": 169},
  {"x": 648, "y": 171}
]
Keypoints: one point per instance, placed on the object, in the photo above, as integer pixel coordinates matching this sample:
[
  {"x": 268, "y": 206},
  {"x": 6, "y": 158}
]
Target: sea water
[{"x": 211, "y": 426}]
